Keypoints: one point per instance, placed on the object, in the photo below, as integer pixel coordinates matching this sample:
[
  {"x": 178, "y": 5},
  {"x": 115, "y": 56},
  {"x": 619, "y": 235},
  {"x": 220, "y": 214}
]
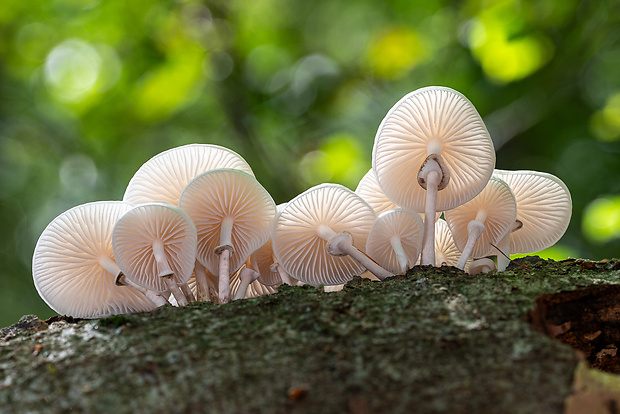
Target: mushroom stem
[
  {"x": 431, "y": 173},
  {"x": 286, "y": 278},
  {"x": 246, "y": 276},
  {"x": 397, "y": 245},
  {"x": 342, "y": 244},
  {"x": 224, "y": 277},
  {"x": 187, "y": 292},
  {"x": 202, "y": 282},
  {"x": 474, "y": 229},
  {"x": 165, "y": 271},
  {"x": 503, "y": 248},
  {"x": 157, "y": 299}
]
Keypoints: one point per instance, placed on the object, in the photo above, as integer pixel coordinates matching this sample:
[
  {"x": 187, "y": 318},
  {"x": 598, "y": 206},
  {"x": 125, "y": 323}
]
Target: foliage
[{"x": 92, "y": 89}]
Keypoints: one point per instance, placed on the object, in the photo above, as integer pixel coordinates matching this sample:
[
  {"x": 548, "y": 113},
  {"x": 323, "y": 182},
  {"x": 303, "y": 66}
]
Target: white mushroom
[
  {"x": 484, "y": 265},
  {"x": 74, "y": 267},
  {"x": 164, "y": 177},
  {"x": 234, "y": 216},
  {"x": 433, "y": 135},
  {"x": 481, "y": 222},
  {"x": 319, "y": 235},
  {"x": 395, "y": 240},
  {"x": 155, "y": 246},
  {"x": 544, "y": 210},
  {"x": 446, "y": 252}
]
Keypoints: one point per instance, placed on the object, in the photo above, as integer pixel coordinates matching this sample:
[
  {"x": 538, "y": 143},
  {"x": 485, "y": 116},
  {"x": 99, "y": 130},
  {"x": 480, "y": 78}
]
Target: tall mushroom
[
  {"x": 395, "y": 240},
  {"x": 319, "y": 235},
  {"x": 155, "y": 246},
  {"x": 432, "y": 152},
  {"x": 233, "y": 214},
  {"x": 74, "y": 267},
  {"x": 544, "y": 210},
  {"x": 481, "y": 222}
]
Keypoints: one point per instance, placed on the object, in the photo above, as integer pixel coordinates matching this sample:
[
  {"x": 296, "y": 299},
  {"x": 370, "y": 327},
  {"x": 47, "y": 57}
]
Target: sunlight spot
[{"x": 601, "y": 219}]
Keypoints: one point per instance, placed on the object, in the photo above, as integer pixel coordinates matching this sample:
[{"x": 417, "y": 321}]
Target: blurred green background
[{"x": 91, "y": 89}]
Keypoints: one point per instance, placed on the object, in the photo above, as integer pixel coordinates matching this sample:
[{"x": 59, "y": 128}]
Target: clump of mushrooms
[{"x": 195, "y": 224}]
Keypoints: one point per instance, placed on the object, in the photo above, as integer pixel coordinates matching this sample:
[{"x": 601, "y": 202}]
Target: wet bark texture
[{"x": 434, "y": 341}]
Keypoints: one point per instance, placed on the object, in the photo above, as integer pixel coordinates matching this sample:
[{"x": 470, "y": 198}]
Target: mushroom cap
[
  {"x": 262, "y": 259},
  {"x": 544, "y": 207},
  {"x": 226, "y": 193},
  {"x": 407, "y": 226},
  {"x": 432, "y": 120},
  {"x": 498, "y": 202},
  {"x": 369, "y": 189},
  {"x": 66, "y": 265},
  {"x": 299, "y": 249},
  {"x": 137, "y": 230},
  {"x": 163, "y": 177}
]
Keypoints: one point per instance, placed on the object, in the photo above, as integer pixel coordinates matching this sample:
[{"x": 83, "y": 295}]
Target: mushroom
[
  {"x": 318, "y": 236},
  {"x": 481, "y": 222},
  {"x": 254, "y": 289},
  {"x": 155, "y": 246},
  {"x": 74, "y": 267},
  {"x": 368, "y": 188},
  {"x": 446, "y": 252},
  {"x": 246, "y": 276},
  {"x": 264, "y": 262},
  {"x": 234, "y": 216},
  {"x": 433, "y": 135},
  {"x": 164, "y": 177},
  {"x": 484, "y": 265},
  {"x": 395, "y": 240},
  {"x": 544, "y": 208}
]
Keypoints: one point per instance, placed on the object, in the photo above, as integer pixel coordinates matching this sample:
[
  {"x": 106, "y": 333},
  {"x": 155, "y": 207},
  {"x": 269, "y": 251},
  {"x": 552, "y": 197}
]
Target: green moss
[{"x": 436, "y": 340}]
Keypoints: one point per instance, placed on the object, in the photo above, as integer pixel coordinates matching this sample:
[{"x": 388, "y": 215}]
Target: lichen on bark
[{"x": 434, "y": 341}]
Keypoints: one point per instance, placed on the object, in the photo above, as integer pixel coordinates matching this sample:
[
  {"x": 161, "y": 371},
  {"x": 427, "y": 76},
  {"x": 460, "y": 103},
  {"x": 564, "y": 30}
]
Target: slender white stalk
[
  {"x": 157, "y": 299},
  {"x": 165, "y": 271},
  {"x": 202, "y": 282},
  {"x": 224, "y": 277},
  {"x": 397, "y": 245},
  {"x": 503, "y": 248},
  {"x": 474, "y": 230},
  {"x": 341, "y": 244},
  {"x": 286, "y": 278},
  {"x": 246, "y": 276},
  {"x": 431, "y": 172},
  {"x": 175, "y": 290},
  {"x": 187, "y": 292}
]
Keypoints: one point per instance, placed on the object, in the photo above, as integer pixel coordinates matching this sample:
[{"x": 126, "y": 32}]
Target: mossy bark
[{"x": 434, "y": 341}]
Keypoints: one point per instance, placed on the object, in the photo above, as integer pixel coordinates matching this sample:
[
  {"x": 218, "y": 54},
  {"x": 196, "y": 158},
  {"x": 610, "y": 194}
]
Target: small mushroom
[
  {"x": 432, "y": 152},
  {"x": 484, "y": 265},
  {"x": 234, "y": 216},
  {"x": 254, "y": 289},
  {"x": 74, "y": 267},
  {"x": 446, "y": 252},
  {"x": 395, "y": 240},
  {"x": 544, "y": 208},
  {"x": 164, "y": 177},
  {"x": 481, "y": 222},
  {"x": 319, "y": 235},
  {"x": 155, "y": 246}
]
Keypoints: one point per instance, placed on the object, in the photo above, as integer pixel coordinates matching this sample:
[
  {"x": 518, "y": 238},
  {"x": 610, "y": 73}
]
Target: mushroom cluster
[{"x": 195, "y": 224}]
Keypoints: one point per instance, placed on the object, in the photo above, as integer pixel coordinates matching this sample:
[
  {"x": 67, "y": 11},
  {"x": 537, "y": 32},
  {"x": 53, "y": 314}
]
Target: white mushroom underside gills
[
  {"x": 74, "y": 268},
  {"x": 544, "y": 208},
  {"x": 233, "y": 214},
  {"x": 155, "y": 246},
  {"x": 299, "y": 248},
  {"x": 481, "y": 222},
  {"x": 440, "y": 125}
]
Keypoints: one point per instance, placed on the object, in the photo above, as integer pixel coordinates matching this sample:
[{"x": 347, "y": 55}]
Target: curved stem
[
  {"x": 175, "y": 290},
  {"x": 246, "y": 276},
  {"x": 428, "y": 240},
  {"x": 284, "y": 276},
  {"x": 163, "y": 267},
  {"x": 397, "y": 245},
  {"x": 474, "y": 230},
  {"x": 341, "y": 244},
  {"x": 157, "y": 299},
  {"x": 187, "y": 292}
]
